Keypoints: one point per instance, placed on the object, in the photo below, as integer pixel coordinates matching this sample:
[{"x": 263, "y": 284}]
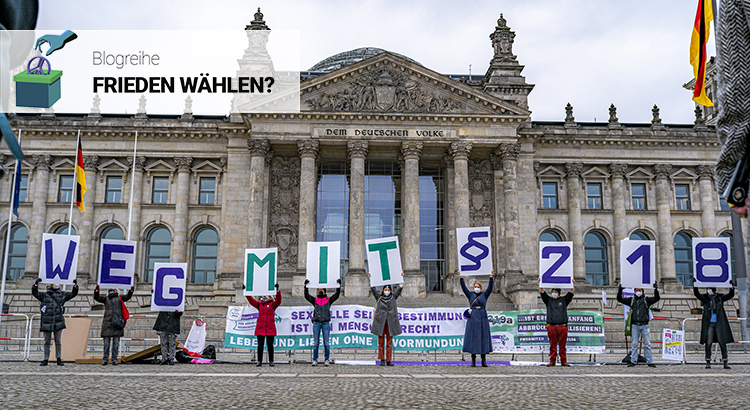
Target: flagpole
[
  {"x": 132, "y": 185},
  {"x": 73, "y": 192},
  {"x": 7, "y": 234}
]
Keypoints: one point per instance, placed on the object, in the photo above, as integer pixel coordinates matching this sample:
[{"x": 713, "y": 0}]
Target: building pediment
[{"x": 391, "y": 84}]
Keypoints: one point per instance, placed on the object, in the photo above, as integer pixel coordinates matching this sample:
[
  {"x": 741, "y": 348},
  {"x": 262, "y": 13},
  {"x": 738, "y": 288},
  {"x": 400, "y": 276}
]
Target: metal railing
[
  {"x": 738, "y": 344},
  {"x": 13, "y": 335}
]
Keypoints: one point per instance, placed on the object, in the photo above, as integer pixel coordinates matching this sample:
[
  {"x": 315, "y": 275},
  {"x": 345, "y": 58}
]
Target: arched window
[
  {"x": 549, "y": 236},
  {"x": 63, "y": 230},
  {"x": 595, "y": 247},
  {"x": 17, "y": 251},
  {"x": 205, "y": 249},
  {"x": 158, "y": 249},
  {"x": 731, "y": 253},
  {"x": 639, "y": 236},
  {"x": 683, "y": 258},
  {"x": 112, "y": 232}
]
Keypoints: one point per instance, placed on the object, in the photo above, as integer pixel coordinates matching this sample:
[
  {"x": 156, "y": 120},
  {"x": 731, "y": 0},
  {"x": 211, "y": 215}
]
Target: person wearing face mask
[
  {"x": 265, "y": 326},
  {"x": 715, "y": 325},
  {"x": 385, "y": 322},
  {"x": 639, "y": 318},
  {"x": 321, "y": 319},
  {"x": 557, "y": 323},
  {"x": 477, "y": 338},
  {"x": 52, "y": 320},
  {"x": 110, "y": 334}
]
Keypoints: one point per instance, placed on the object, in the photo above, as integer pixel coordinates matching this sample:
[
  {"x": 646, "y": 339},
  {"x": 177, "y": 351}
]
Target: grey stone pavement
[{"x": 291, "y": 386}]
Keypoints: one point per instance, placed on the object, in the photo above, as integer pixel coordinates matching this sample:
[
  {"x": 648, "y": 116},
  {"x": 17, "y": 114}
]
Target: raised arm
[
  {"x": 397, "y": 291},
  {"x": 729, "y": 295},
  {"x": 375, "y": 293},
  {"x": 656, "y": 298},
  {"x": 277, "y": 301},
  {"x": 488, "y": 292},
  {"x": 309, "y": 297},
  {"x": 336, "y": 295},
  {"x": 568, "y": 297},
  {"x": 251, "y": 300},
  {"x": 698, "y": 295},
  {"x": 35, "y": 290},
  {"x": 72, "y": 294},
  {"x": 128, "y": 295},
  {"x": 624, "y": 301},
  {"x": 464, "y": 288},
  {"x": 97, "y": 296}
]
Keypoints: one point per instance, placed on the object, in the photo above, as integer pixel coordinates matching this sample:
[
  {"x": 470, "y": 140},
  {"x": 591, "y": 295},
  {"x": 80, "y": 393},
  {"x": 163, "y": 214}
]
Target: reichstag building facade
[{"x": 383, "y": 146}]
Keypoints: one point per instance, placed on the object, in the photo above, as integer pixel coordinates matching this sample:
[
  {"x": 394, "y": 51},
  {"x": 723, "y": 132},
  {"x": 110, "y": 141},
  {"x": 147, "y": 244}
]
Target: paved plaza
[{"x": 291, "y": 386}]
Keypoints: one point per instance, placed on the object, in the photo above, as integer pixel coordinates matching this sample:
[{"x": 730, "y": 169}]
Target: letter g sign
[{"x": 169, "y": 287}]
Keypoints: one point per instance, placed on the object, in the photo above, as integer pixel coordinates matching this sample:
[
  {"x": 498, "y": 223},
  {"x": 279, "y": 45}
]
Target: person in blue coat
[{"x": 477, "y": 339}]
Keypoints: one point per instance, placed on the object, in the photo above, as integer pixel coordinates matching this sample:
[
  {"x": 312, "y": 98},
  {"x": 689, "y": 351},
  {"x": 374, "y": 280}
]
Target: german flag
[
  {"x": 80, "y": 178},
  {"x": 703, "y": 19}
]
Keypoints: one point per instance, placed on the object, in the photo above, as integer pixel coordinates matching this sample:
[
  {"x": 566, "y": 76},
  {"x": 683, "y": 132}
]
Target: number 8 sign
[
  {"x": 556, "y": 264},
  {"x": 712, "y": 266}
]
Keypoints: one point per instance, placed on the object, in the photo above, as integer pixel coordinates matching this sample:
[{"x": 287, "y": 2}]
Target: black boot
[
  {"x": 473, "y": 360},
  {"x": 708, "y": 363},
  {"x": 60, "y": 363},
  {"x": 382, "y": 362},
  {"x": 43, "y": 363},
  {"x": 484, "y": 360},
  {"x": 259, "y": 364},
  {"x": 726, "y": 364}
]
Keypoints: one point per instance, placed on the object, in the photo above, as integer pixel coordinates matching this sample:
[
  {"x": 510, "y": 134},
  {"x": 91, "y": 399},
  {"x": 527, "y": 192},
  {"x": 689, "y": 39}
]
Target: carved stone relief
[
  {"x": 481, "y": 192},
  {"x": 284, "y": 206}
]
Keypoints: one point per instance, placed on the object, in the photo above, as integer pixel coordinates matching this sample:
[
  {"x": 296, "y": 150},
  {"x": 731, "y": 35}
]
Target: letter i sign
[{"x": 323, "y": 264}]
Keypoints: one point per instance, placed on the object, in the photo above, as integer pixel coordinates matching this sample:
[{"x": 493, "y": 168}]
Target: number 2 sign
[
  {"x": 712, "y": 266},
  {"x": 556, "y": 264},
  {"x": 637, "y": 264}
]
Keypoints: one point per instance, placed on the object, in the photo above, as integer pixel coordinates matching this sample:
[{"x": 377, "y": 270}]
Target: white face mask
[
  {"x": 477, "y": 290},
  {"x": 710, "y": 292},
  {"x": 386, "y": 293},
  {"x": 555, "y": 295},
  {"x": 639, "y": 293}
]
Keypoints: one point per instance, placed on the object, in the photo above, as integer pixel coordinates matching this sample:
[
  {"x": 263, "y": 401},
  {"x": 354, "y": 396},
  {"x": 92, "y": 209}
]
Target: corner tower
[{"x": 503, "y": 78}]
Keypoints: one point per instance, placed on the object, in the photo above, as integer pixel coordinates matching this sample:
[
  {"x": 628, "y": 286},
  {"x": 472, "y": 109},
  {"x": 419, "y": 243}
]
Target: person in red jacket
[{"x": 265, "y": 326}]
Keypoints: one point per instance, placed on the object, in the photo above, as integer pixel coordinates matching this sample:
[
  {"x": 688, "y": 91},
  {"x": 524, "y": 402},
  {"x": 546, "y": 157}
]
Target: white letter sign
[
  {"x": 474, "y": 251},
  {"x": 59, "y": 258},
  {"x": 116, "y": 264},
  {"x": 712, "y": 262},
  {"x": 169, "y": 287},
  {"x": 323, "y": 264},
  {"x": 555, "y": 264},
  {"x": 260, "y": 271},
  {"x": 637, "y": 264},
  {"x": 384, "y": 261}
]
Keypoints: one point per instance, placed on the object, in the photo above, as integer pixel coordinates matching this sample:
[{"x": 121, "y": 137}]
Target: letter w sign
[{"x": 260, "y": 271}]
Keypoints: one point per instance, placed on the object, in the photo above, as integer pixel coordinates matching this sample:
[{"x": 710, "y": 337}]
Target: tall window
[
  {"x": 17, "y": 251},
  {"x": 63, "y": 230},
  {"x": 639, "y": 236},
  {"x": 382, "y": 200},
  {"x": 24, "y": 188},
  {"x": 432, "y": 225},
  {"x": 549, "y": 236},
  {"x": 683, "y": 258},
  {"x": 549, "y": 195},
  {"x": 114, "y": 190},
  {"x": 638, "y": 193},
  {"x": 207, "y": 194},
  {"x": 158, "y": 249},
  {"x": 160, "y": 190},
  {"x": 65, "y": 189},
  {"x": 731, "y": 253},
  {"x": 595, "y": 249},
  {"x": 682, "y": 196},
  {"x": 205, "y": 250},
  {"x": 333, "y": 207},
  {"x": 594, "y": 194}
]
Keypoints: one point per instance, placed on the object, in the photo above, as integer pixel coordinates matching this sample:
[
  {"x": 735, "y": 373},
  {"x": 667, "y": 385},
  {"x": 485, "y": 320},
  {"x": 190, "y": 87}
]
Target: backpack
[{"x": 209, "y": 352}]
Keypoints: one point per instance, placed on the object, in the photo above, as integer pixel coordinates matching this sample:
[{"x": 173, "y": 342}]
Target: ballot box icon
[{"x": 39, "y": 85}]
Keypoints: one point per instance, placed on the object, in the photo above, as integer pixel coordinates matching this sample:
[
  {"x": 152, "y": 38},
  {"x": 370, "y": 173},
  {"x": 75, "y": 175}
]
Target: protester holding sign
[
  {"x": 167, "y": 326},
  {"x": 53, "y": 321},
  {"x": 265, "y": 326},
  {"x": 557, "y": 323},
  {"x": 113, "y": 321},
  {"x": 322, "y": 319},
  {"x": 477, "y": 338},
  {"x": 714, "y": 324},
  {"x": 385, "y": 322},
  {"x": 639, "y": 311}
]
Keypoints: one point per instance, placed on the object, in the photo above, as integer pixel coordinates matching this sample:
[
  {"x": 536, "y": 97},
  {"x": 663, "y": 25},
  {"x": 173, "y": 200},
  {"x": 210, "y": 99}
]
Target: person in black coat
[
  {"x": 111, "y": 335},
  {"x": 53, "y": 321},
  {"x": 167, "y": 326},
  {"x": 557, "y": 323},
  {"x": 477, "y": 338},
  {"x": 715, "y": 325},
  {"x": 321, "y": 319}
]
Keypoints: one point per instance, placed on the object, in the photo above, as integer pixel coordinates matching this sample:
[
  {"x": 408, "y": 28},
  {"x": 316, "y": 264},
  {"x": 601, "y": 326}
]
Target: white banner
[
  {"x": 169, "y": 287},
  {"x": 116, "y": 264},
  {"x": 384, "y": 260},
  {"x": 323, "y": 264},
  {"x": 556, "y": 265},
  {"x": 58, "y": 262},
  {"x": 474, "y": 251},
  {"x": 673, "y": 345},
  {"x": 637, "y": 264},
  {"x": 712, "y": 262},
  {"x": 260, "y": 271}
]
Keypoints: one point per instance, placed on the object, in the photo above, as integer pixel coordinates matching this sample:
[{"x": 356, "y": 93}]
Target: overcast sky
[{"x": 590, "y": 53}]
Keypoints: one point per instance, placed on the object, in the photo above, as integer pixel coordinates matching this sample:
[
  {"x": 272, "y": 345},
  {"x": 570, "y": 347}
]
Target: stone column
[
  {"x": 509, "y": 155},
  {"x": 450, "y": 281},
  {"x": 575, "y": 230},
  {"x": 708, "y": 196},
  {"x": 617, "y": 171},
  {"x": 85, "y": 259},
  {"x": 460, "y": 151},
  {"x": 667, "y": 272},
  {"x": 137, "y": 198},
  {"x": 308, "y": 152},
  {"x": 180, "y": 241},
  {"x": 357, "y": 282},
  {"x": 258, "y": 150},
  {"x": 498, "y": 241},
  {"x": 414, "y": 280},
  {"x": 42, "y": 164}
]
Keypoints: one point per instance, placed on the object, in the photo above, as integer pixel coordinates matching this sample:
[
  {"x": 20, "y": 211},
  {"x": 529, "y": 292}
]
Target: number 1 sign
[
  {"x": 637, "y": 264},
  {"x": 556, "y": 264},
  {"x": 712, "y": 265}
]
